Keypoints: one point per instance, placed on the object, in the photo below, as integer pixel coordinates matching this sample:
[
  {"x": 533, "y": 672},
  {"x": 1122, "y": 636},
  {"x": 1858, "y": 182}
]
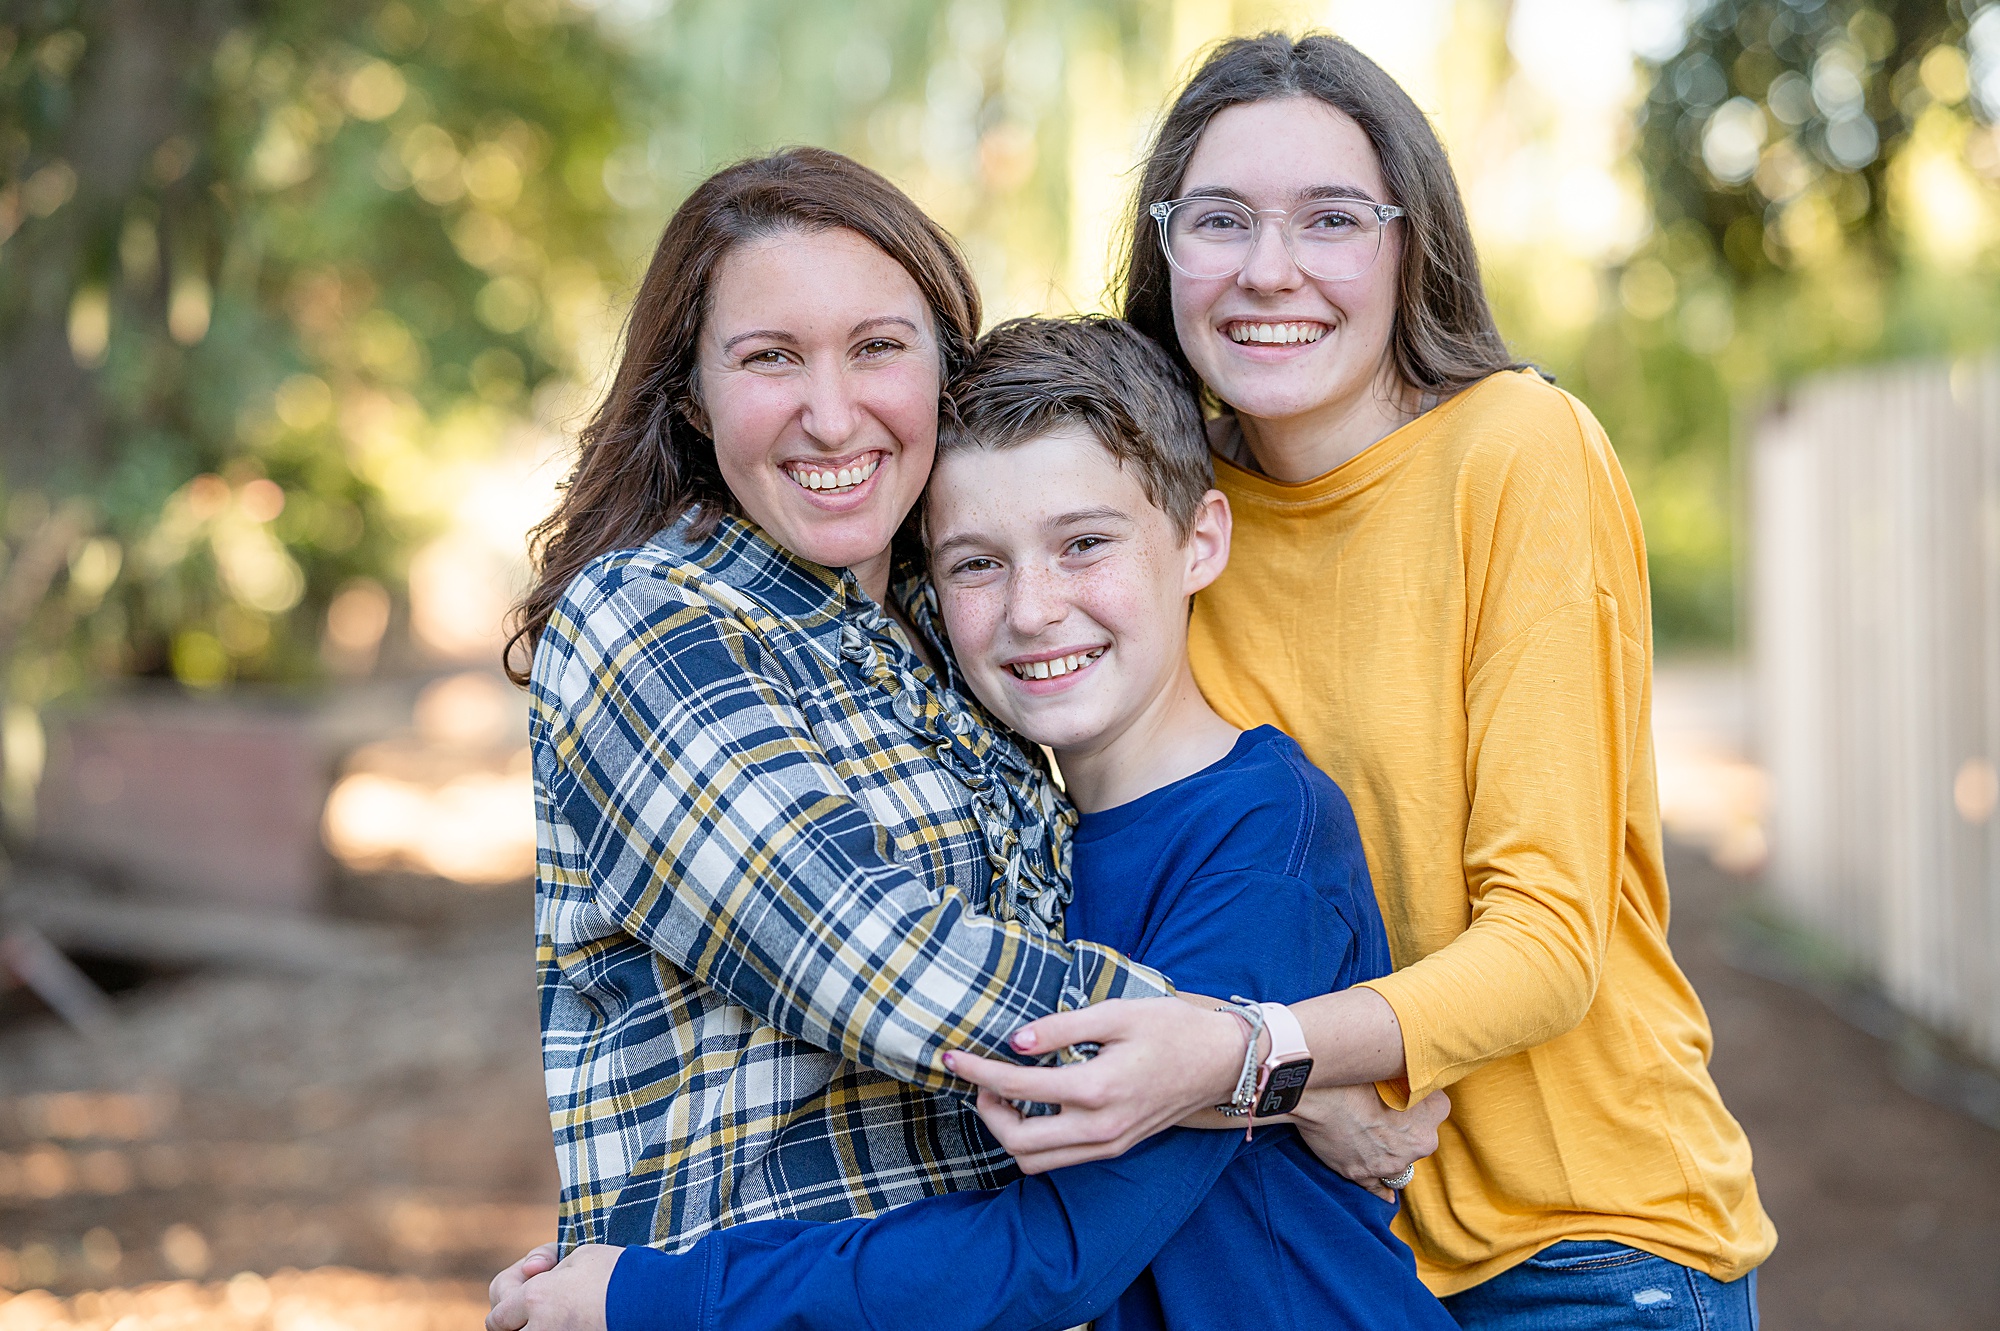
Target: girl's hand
[
  {"x": 1358, "y": 1137},
  {"x": 1161, "y": 1059},
  {"x": 569, "y": 1297}
]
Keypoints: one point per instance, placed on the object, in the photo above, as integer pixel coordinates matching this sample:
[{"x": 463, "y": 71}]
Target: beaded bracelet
[{"x": 1245, "y": 1098}]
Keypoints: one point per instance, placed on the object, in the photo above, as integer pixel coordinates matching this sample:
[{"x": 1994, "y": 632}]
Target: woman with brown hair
[
  {"x": 1438, "y": 586},
  {"x": 783, "y": 861}
]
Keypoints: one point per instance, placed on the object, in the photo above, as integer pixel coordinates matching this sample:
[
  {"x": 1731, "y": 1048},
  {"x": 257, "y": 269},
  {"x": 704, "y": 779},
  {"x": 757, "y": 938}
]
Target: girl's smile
[{"x": 1304, "y": 363}]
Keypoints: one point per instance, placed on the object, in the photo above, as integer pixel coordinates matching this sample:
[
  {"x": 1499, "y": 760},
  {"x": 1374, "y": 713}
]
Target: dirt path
[
  {"x": 394, "y": 1123},
  {"x": 1887, "y": 1206},
  {"x": 389, "y": 1121}
]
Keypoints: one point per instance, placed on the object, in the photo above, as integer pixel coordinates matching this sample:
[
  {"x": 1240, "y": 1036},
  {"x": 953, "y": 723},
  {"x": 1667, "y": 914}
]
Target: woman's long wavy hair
[
  {"x": 645, "y": 459},
  {"x": 1444, "y": 338}
]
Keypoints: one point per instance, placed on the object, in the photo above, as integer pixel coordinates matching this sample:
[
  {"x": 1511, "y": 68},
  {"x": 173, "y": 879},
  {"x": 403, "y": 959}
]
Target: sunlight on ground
[
  {"x": 328, "y": 1299},
  {"x": 1711, "y": 794},
  {"x": 454, "y": 799}
]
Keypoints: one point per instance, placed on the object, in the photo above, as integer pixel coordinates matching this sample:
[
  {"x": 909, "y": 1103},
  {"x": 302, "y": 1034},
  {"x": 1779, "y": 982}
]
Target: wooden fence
[{"x": 1875, "y": 616}]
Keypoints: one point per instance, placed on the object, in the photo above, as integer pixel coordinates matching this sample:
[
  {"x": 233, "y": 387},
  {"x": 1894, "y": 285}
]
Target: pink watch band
[{"x": 1288, "y": 1038}]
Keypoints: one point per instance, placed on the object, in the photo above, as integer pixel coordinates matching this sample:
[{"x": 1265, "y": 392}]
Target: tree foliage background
[
  {"x": 1820, "y": 182},
  {"x": 275, "y": 274},
  {"x": 267, "y": 268}
]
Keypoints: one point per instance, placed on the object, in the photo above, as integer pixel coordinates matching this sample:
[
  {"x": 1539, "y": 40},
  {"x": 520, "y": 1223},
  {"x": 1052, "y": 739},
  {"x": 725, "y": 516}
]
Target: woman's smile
[
  {"x": 834, "y": 478},
  {"x": 1274, "y": 332}
]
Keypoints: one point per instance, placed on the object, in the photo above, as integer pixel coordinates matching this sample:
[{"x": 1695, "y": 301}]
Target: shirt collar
[{"x": 811, "y": 598}]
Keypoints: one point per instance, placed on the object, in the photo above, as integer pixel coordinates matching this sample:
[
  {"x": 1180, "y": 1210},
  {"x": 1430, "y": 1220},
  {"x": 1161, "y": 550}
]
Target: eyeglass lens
[{"x": 1331, "y": 239}]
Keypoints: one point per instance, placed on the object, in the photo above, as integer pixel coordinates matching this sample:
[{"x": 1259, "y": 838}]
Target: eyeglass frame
[{"x": 1160, "y": 211}]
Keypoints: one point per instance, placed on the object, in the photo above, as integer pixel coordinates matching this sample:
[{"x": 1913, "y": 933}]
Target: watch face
[{"x": 1282, "y": 1091}]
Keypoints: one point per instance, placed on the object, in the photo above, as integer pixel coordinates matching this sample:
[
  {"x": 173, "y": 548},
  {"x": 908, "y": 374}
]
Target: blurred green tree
[
  {"x": 1821, "y": 176},
  {"x": 266, "y": 267},
  {"x": 258, "y": 261},
  {"x": 974, "y": 106}
]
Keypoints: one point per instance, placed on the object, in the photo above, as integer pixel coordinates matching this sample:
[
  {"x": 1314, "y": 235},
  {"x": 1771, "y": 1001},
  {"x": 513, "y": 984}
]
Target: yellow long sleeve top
[{"x": 1455, "y": 624}]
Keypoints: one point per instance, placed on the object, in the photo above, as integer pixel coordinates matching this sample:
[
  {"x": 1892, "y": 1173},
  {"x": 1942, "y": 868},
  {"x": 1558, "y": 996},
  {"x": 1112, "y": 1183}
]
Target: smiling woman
[
  {"x": 783, "y": 864},
  {"x": 1245, "y": 345},
  {"x": 1438, "y": 587},
  {"x": 825, "y": 429}
]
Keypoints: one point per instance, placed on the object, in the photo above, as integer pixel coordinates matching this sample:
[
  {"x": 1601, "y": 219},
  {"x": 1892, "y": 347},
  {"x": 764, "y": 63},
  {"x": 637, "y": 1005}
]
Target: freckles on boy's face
[{"x": 1063, "y": 588}]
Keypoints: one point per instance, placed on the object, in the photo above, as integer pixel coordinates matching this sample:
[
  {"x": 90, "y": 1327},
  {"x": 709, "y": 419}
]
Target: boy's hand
[
  {"x": 1358, "y": 1137},
  {"x": 569, "y": 1297},
  {"x": 1160, "y": 1060}
]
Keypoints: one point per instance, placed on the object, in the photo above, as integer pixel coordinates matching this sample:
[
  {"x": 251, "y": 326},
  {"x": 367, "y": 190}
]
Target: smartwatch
[{"x": 1287, "y": 1067}]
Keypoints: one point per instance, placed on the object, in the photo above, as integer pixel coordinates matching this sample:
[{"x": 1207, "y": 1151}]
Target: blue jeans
[{"x": 1595, "y": 1286}]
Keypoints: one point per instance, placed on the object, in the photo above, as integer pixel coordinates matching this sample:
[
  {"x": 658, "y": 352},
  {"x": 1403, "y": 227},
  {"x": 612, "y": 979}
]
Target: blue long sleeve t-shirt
[{"x": 1245, "y": 878}]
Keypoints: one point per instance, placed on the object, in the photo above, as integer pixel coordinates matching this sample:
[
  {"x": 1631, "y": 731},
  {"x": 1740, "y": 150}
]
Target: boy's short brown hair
[{"x": 1029, "y": 377}]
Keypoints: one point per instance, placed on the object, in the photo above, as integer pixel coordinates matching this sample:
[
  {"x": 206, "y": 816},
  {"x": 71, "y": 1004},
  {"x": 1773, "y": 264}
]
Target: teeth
[
  {"x": 841, "y": 479},
  {"x": 1276, "y": 334},
  {"x": 1062, "y": 665}
]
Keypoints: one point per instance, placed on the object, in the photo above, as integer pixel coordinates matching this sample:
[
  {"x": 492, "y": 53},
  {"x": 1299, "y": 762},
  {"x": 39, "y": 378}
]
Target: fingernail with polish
[
  {"x": 950, "y": 1062},
  {"x": 1023, "y": 1040}
]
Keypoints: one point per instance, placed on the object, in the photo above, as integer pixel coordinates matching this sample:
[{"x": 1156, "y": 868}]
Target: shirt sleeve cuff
[
  {"x": 1394, "y": 1092},
  {"x": 1107, "y": 974},
  {"x": 655, "y": 1291},
  {"x": 1418, "y": 1079}
]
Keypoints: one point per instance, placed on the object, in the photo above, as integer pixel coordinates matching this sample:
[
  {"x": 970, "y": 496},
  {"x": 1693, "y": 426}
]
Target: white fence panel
[{"x": 1875, "y": 613}]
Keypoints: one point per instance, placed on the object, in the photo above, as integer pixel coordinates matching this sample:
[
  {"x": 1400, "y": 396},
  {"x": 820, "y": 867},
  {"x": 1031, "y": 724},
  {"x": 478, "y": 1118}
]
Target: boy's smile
[
  {"x": 1060, "y": 667},
  {"x": 1064, "y": 589}
]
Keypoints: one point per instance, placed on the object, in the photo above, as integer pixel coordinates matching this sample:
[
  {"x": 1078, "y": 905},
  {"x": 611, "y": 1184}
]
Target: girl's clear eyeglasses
[{"x": 1332, "y": 240}]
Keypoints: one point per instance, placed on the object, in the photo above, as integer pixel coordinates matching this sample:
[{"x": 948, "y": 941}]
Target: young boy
[{"x": 1069, "y": 520}]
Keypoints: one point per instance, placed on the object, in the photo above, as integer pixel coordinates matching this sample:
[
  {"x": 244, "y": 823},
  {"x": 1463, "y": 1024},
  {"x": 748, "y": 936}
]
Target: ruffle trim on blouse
[{"x": 1024, "y": 823}]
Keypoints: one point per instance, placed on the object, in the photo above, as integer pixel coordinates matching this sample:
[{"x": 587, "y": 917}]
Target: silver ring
[{"x": 1402, "y": 1180}]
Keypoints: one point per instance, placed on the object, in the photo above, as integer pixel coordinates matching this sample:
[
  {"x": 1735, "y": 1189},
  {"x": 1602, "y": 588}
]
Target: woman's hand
[
  {"x": 533, "y": 1295},
  {"x": 1161, "y": 1059},
  {"x": 538, "y": 1260},
  {"x": 1358, "y": 1137}
]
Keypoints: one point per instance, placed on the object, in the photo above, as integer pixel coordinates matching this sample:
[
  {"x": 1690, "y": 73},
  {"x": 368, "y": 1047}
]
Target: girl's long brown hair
[
  {"x": 645, "y": 459},
  {"x": 1444, "y": 337}
]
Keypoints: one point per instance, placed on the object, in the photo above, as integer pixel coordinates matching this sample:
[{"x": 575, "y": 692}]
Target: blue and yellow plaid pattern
[{"x": 773, "y": 850}]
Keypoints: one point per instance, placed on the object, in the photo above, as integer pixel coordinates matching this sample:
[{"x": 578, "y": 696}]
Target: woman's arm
[
  {"x": 1550, "y": 753},
  {"x": 1553, "y": 712},
  {"x": 1148, "y": 1076},
  {"x": 1551, "y": 734},
  {"x": 713, "y": 829},
  {"x": 1052, "y": 1250},
  {"x": 1155, "y": 1070}
]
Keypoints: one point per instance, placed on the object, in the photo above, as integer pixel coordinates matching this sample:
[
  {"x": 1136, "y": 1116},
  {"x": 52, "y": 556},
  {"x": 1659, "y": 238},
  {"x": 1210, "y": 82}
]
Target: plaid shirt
[{"x": 778, "y": 860}]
